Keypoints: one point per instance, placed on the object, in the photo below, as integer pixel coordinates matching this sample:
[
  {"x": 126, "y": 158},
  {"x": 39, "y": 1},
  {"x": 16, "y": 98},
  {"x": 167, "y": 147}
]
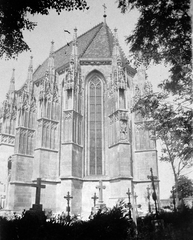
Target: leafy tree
[
  {"x": 14, "y": 19},
  {"x": 173, "y": 126},
  {"x": 163, "y": 34},
  {"x": 185, "y": 187}
]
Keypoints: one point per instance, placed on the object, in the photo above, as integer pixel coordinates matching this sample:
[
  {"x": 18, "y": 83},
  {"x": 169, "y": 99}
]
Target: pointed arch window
[{"x": 95, "y": 125}]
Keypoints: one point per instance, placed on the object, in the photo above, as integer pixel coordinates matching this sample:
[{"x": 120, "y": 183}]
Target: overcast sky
[{"x": 52, "y": 27}]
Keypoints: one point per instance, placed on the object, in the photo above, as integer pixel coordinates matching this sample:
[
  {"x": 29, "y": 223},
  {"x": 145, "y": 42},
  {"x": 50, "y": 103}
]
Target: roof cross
[
  {"x": 104, "y": 15},
  {"x": 104, "y": 6}
]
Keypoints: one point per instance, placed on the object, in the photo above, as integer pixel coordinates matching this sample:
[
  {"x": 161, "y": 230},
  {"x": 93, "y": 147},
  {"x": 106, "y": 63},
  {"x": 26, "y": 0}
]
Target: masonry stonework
[{"x": 71, "y": 125}]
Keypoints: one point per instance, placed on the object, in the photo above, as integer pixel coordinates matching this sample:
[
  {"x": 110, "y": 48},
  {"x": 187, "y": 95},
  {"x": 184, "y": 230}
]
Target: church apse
[{"x": 73, "y": 126}]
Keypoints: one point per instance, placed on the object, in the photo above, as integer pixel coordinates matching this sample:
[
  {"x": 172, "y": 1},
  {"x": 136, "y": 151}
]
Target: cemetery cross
[
  {"x": 94, "y": 199},
  {"x": 68, "y": 197},
  {"x": 129, "y": 203},
  {"x": 154, "y": 196},
  {"x": 100, "y": 187},
  {"x": 148, "y": 197},
  {"x": 38, "y": 190},
  {"x": 173, "y": 196}
]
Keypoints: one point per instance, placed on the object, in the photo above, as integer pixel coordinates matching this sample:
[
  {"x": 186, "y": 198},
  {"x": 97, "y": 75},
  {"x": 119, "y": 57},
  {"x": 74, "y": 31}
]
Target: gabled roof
[{"x": 95, "y": 43}]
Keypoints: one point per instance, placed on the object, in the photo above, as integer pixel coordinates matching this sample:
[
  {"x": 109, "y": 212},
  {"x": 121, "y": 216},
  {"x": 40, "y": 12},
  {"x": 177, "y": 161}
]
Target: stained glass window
[{"x": 95, "y": 126}]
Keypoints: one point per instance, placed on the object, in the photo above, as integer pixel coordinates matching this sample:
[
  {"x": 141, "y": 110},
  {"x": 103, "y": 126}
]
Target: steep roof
[{"x": 95, "y": 43}]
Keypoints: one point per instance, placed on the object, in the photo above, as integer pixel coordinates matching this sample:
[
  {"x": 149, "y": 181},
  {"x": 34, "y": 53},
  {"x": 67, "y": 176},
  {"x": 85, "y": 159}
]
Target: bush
[
  {"x": 107, "y": 225},
  {"x": 176, "y": 226}
]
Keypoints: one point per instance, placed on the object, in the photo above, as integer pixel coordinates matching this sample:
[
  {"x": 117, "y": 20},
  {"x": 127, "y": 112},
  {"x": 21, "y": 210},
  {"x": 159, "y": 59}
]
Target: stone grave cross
[
  {"x": 38, "y": 187},
  {"x": 100, "y": 187},
  {"x": 94, "y": 199}
]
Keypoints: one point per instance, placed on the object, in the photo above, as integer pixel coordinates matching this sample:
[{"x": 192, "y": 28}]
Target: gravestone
[
  {"x": 68, "y": 197},
  {"x": 36, "y": 210},
  {"x": 100, "y": 205}
]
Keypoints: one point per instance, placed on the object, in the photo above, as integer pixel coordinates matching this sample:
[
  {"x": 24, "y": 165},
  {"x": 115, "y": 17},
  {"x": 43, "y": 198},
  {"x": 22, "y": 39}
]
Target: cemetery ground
[{"x": 109, "y": 224}]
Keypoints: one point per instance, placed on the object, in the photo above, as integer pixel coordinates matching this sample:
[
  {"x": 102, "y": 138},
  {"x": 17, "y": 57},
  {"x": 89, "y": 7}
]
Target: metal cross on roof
[{"x": 104, "y": 6}]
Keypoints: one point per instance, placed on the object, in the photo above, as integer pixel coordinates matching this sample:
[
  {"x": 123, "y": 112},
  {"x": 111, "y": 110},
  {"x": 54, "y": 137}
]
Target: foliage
[
  {"x": 14, "y": 19},
  {"x": 110, "y": 224},
  {"x": 172, "y": 125},
  {"x": 163, "y": 33},
  {"x": 173, "y": 226},
  {"x": 185, "y": 187}
]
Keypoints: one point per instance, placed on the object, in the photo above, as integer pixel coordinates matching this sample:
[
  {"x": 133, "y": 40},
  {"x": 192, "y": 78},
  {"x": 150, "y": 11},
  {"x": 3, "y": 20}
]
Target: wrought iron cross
[
  {"x": 154, "y": 196},
  {"x": 148, "y": 197},
  {"x": 94, "y": 199},
  {"x": 68, "y": 197},
  {"x": 129, "y": 195},
  {"x": 129, "y": 204}
]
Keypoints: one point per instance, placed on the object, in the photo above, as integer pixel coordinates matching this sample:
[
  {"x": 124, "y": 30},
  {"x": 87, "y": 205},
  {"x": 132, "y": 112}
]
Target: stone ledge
[
  {"x": 122, "y": 143},
  {"x": 76, "y": 144},
  {"x": 23, "y": 155},
  {"x": 46, "y": 149},
  {"x": 145, "y": 181},
  {"x": 145, "y": 150}
]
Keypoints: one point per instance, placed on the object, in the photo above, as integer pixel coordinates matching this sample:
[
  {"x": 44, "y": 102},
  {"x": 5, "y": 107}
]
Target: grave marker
[{"x": 68, "y": 197}]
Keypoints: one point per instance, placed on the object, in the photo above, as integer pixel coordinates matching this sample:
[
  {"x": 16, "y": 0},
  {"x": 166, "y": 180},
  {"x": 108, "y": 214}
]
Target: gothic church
[{"x": 71, "y": 125}]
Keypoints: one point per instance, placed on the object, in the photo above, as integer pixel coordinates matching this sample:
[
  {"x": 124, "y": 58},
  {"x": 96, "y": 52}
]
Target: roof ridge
[{"x": 92, "y": 38}]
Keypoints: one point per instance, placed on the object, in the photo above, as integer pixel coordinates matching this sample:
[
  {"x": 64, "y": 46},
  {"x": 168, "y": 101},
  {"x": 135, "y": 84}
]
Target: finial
[
  {"x": 52, "y": 47},
  {"x": 75, "y": 36},
  {"x": 30, "y": 70},
  {"x": 31, "y": 63},
  {"x": 12, "y": 82},
  {"x": 116, "y": 37},
  {"x": 104, "y": 6}
]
